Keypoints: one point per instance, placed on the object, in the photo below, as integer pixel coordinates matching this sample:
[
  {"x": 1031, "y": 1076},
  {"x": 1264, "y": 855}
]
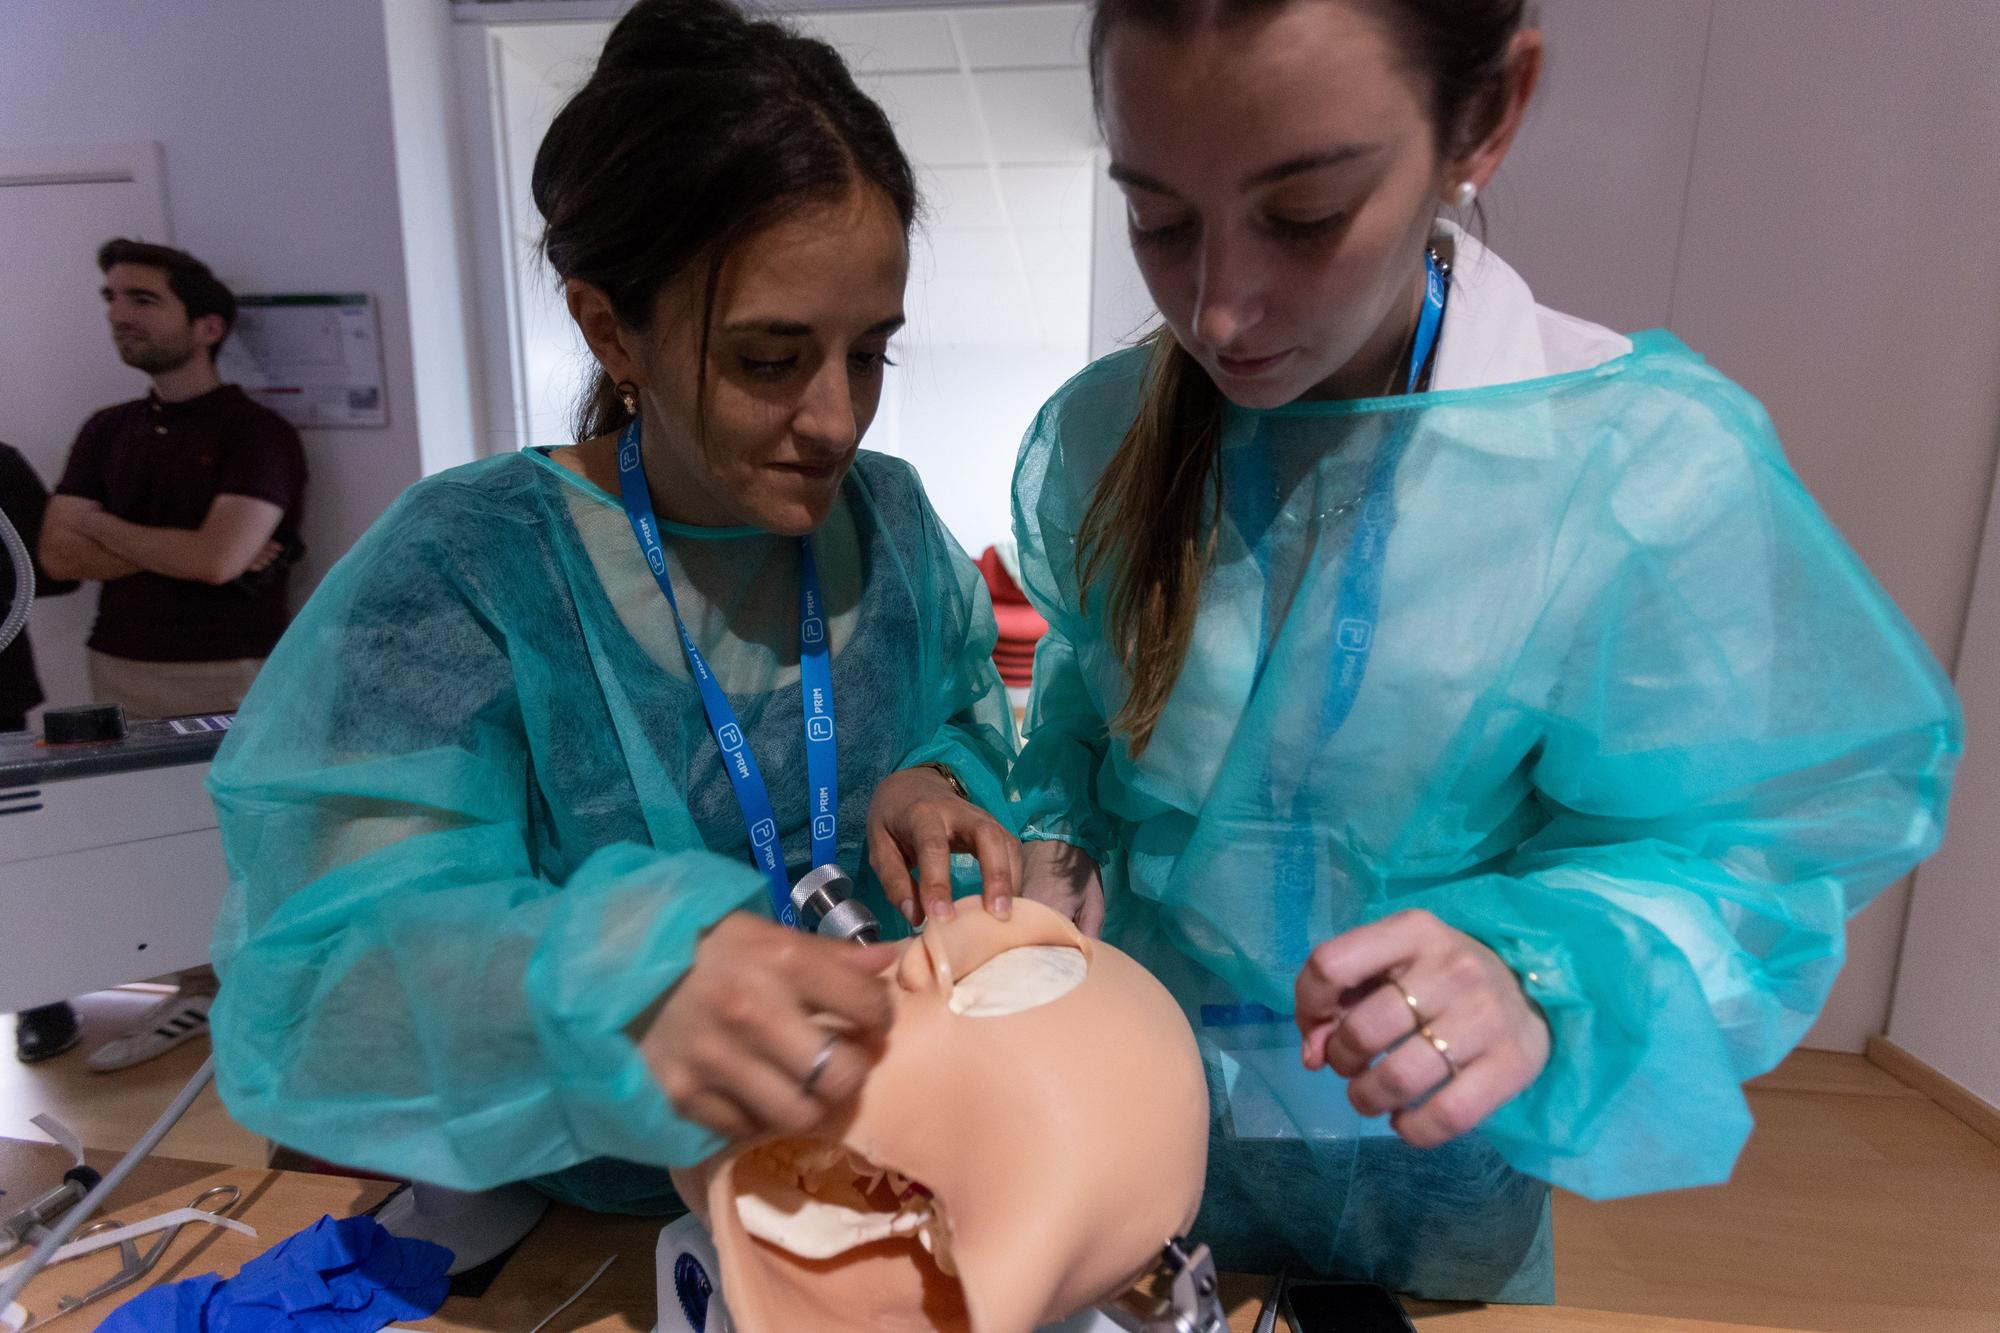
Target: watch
[{"x": 944, "y": 771}]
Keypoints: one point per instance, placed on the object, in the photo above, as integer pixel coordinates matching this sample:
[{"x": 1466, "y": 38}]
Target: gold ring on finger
[{"x": 1416, "y": 1014}]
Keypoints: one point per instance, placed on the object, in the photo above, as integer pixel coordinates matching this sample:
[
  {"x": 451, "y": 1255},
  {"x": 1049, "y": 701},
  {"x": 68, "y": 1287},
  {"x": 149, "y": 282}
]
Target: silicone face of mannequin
[{"x": 1035, "y": 1130}]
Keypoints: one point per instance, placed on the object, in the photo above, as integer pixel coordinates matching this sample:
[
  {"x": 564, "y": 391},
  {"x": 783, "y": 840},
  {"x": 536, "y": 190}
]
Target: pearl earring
[
  {"x": 1465, "y": 194},
  {"x": 628, "y": 397}
]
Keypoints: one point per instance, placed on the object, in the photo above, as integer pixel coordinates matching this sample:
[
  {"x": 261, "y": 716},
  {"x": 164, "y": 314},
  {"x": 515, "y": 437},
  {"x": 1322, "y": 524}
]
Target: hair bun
[
  {"x": 660, "y": 35},
  {"x": 701, "y": 127}
]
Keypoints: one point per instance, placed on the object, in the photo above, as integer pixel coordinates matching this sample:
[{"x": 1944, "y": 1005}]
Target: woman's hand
[
  {"x": 769, "y": 1030},
  {"x": 916, "y": 815},
  {"x": 1064, "y": 877},
  {"x": 1408, "y": 1008}
]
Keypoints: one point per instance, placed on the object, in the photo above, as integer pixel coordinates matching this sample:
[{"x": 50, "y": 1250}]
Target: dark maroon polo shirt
[{"x": 162, "y": 465}]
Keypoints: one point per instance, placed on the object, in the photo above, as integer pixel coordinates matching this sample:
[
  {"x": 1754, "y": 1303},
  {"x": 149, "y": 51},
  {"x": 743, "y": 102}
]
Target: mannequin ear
[{"x": 616, "y": 347}]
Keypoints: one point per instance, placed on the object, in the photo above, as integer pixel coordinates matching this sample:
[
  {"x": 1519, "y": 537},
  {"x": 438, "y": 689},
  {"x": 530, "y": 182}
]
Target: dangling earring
[
  {"x": 1464, "y": 195},
  {"x": 628, "y": 394}
]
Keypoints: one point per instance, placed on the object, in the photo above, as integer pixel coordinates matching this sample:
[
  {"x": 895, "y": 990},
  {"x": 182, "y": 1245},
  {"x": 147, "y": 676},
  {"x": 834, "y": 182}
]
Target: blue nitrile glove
[{"x": 347, "y": 1276}]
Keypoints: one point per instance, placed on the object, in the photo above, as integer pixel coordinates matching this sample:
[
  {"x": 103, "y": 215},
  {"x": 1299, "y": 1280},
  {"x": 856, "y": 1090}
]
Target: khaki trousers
[{"x": 171, "y": 689}]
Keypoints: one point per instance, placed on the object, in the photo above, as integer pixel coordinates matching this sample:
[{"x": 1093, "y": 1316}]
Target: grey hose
[
  {"x": 24, "y": 590},
  {"x": 113, "y": 1178}
]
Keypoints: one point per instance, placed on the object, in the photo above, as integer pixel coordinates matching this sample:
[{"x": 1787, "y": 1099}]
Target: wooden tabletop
[{"x": 560, "y": 1255}]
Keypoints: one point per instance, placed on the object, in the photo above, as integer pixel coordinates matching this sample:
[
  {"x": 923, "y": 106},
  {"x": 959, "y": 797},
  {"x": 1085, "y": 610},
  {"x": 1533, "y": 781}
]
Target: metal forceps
[
  {"x": 1267, "y": 1318},
  {"x": 217, "y": 1201}
]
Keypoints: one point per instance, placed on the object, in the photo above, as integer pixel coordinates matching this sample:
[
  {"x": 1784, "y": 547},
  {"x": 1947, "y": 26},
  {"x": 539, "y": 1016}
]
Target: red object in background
[{"x": 1021, "y": 626}]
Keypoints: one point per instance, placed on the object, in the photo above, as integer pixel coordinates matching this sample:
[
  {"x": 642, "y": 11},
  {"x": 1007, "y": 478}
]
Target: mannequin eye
[{"x": 1018, "y": 980}]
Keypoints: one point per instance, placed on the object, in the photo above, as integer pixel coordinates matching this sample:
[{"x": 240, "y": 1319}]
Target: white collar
[{"x": 1494, "y": 333}]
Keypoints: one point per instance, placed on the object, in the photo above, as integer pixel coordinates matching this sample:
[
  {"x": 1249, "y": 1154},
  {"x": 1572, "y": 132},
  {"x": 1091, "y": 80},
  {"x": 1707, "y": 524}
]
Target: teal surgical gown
[
  {"x": 1634, "y": 717},
  {"x": 475, "y": 818}
]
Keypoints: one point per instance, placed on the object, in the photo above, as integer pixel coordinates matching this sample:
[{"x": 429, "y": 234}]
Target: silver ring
[{"x": 820, "y": 1062}]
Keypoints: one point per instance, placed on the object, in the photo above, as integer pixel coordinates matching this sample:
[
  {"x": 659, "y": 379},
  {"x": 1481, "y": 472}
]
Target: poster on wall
[{"x": 315, "y": 358}]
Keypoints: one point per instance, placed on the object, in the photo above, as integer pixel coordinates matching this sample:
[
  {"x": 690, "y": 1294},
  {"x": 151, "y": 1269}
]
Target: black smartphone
[{"x": 1343, "y": 1307}]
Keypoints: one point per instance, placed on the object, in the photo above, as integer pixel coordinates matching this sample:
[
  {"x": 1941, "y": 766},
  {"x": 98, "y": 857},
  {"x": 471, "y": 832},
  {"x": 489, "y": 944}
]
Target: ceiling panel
[
  {"x": 960, "y": 196},
  {"x": 1061, "y": 251},
  {"x": 968, "y": 251},
  {"x": 1059, "y": 196},
  {"x": 1003, "y": 257},
  {"x": 886, "y": 42},
  {"x": 1063, "y": 322},
  {"x": 1037, "y": 115},
  {"x": 1026, "y": 36},
  {"x": 978, "y": 310},
  {"x": 933, "y": 116}
]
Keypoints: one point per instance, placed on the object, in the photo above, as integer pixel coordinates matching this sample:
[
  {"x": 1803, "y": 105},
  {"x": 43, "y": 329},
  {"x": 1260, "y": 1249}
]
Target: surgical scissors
[{"x": 136, "y": 1265}]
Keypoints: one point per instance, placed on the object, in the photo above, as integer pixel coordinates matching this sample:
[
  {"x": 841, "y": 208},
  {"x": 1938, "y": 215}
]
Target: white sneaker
[{"x": 175, "y": 1019}]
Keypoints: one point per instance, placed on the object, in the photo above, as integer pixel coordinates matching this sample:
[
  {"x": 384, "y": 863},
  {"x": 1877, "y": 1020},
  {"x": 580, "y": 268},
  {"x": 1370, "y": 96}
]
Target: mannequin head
[{"x": 1035, "y": 1130}]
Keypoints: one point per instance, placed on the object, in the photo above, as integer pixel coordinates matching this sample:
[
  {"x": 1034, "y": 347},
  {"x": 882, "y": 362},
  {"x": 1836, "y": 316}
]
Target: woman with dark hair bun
[
  {"x": 1460, "y": 706},
  {"x": 515, "y": 811}
]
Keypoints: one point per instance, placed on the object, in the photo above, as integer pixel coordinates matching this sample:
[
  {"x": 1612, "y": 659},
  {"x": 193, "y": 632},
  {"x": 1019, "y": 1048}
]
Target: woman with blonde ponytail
[{"x": 1462, "y": 707}]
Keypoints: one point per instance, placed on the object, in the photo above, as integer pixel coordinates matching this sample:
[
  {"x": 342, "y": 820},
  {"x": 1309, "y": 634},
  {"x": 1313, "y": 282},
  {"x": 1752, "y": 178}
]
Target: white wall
[
  {"x": 1938, "y": 366},
  {"x": 1590, "y": 202},
  {"x": 541, "y": 359},
  {"x": 435, "y": 220},
  {"x": 1798, "y": 189},
  {"x": 958, "y": 418},
  {"x": 1843, "y": 176},
  {"x": 1947, "y": 1002},
  {"x": 275, "y": 123}
]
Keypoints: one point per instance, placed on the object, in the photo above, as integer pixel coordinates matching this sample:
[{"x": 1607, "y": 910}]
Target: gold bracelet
[{"x": 944, "y": 771}]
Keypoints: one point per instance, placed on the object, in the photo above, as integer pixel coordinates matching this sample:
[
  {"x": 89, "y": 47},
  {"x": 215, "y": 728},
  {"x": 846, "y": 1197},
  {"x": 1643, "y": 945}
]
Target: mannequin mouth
[{"x": 818, "y": 1200}]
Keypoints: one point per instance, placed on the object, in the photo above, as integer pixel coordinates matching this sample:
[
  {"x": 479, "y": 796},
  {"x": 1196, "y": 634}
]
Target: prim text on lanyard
[
  {"x": 815, "y": 689},
  {"x": 1361, "y": 577}
]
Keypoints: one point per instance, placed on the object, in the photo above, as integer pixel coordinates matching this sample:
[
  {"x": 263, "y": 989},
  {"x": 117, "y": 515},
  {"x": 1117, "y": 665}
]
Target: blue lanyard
[
  {"x": 1361, "y": 577},
  {"x": 1354, "y": 622},
  {"x": 815, "y": 688}
]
